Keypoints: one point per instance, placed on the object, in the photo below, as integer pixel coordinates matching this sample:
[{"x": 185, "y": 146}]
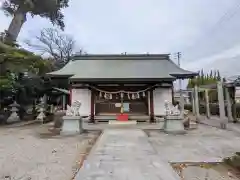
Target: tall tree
[
  {"x": 19, "y": 9},
  {"x": 211, "y": 74},
  {"x": 56, "y": 44},
  {"x": 218, "y": 75},
  {"x": 202, "y": 77}
]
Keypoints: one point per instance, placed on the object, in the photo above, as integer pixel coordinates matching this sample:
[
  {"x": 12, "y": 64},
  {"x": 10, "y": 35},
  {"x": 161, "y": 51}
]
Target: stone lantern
[
  {"x": 14, "y": 116},
  {"x": 41, "y": 116}
]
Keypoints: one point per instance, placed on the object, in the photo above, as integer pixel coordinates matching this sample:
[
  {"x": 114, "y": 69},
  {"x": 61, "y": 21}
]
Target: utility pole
[
  {"x": 179, "y": 64},
  {"x": 181, "y": 103}
]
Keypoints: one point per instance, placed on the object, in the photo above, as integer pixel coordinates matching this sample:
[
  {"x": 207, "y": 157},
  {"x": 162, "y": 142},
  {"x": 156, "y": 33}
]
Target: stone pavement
[
  {"x": 205, "y": 144},
  {"x": 125, "y": 154},
  {"x": 215, "y": 122}
]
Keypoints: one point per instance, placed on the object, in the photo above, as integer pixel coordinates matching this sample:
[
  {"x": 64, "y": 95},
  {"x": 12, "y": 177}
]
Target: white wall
[
  {"x": 84, "y": 96},
  {"x": 160, "y": 95}
]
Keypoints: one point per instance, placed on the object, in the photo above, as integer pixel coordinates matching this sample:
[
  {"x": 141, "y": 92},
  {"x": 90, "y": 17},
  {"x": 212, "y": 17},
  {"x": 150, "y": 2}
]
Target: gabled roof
[{"x": 116, "y": 67}]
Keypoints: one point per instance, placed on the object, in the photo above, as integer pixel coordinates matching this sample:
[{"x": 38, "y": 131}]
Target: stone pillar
[
  {"x": 196, "y": 103},
  {"x": 208, "y": 114},
  {"x": 181, "y": 103},
  {"x": 221, "y": 104},
  {"x": 193, "y": 102},
  {"x": 229, "y": 105}
]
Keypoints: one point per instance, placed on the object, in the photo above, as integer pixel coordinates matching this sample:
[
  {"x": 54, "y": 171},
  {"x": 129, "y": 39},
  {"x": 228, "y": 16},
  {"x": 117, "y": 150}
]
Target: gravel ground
[{"x": 26, "y": 156}]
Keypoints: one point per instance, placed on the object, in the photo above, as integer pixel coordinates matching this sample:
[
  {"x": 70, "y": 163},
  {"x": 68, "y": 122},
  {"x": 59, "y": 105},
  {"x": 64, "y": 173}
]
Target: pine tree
[
  {"x": 211, "y": 74},
  {"x": 215, "y": 75},
  {"x": 189, "y": 85},
  {"x": 202, "y": 77},
  {"x": 207, "y": 79}
]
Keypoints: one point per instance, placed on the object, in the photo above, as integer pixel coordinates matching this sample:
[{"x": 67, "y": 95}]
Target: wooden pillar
[
  {"x": 229, "y": 105},
  {"x": 196, "y": 102},
  {"x": 207, "y": 103},
  {"x": 221, "y": 104},
  {"x": 151, "y": 106},
  {"x": 92, "y": 110},
  {"x": 64, "y": 102}
]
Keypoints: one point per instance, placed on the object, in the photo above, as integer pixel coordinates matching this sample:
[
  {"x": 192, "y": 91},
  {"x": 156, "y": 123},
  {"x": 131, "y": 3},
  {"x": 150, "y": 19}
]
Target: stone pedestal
[
  {"x": 72, "y": 125},
  {"x": 174, "y": 124}
]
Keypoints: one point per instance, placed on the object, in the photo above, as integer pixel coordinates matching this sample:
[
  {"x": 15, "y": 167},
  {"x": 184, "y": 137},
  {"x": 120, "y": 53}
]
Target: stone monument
[
  {"x": 173, "y": 121},
  {"x": 72, "y": 121},
  {"x": 14, "y": 116}
]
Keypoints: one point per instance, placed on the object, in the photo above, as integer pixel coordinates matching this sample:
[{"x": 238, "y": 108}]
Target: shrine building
[{"x": 134, "y": 84}]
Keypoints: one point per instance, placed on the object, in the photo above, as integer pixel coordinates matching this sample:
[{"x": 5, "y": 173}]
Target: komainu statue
[{"x": 74, "y": 110}]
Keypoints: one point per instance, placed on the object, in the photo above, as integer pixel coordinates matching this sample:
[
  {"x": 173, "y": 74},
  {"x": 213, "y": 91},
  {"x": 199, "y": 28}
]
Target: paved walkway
[{"x": 125, "y": 154}]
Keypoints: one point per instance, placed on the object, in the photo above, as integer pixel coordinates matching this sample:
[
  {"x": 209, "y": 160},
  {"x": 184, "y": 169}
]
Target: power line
[{"x": 225, "y": 18}]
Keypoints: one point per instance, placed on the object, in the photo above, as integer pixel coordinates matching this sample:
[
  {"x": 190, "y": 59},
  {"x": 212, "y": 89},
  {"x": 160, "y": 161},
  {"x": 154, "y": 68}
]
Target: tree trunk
[{"x": 14, "y": 28}]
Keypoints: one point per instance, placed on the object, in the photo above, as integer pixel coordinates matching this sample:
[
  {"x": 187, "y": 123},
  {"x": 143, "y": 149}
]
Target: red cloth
[{"x": 122, "y": 117}]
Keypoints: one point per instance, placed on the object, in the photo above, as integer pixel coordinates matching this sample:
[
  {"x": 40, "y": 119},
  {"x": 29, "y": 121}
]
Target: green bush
[
  {"x": 214, "y": 109},
  {"x": 234, "y": 161}
]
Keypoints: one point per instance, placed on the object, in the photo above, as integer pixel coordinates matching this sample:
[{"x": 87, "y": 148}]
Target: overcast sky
[{"x": 201, "y": 29}]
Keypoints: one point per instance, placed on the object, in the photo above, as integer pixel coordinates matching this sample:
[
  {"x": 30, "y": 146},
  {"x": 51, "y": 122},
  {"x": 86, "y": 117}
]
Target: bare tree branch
[{"x": 59, "y": 46}]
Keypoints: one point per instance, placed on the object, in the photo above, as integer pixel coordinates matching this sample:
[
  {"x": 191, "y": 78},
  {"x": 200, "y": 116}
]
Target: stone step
[
  {"x": 106, "y": 118},
  {"x": 122, "y": 122}
]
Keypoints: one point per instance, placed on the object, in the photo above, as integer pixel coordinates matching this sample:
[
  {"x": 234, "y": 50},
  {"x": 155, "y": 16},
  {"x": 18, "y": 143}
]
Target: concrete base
[
  {"x": 71, "y": 125},
  {"x": 174, "y": 126}
]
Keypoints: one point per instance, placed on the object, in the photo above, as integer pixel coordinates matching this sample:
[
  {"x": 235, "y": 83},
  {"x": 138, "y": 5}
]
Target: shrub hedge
[{"x": 214, "y": 109}]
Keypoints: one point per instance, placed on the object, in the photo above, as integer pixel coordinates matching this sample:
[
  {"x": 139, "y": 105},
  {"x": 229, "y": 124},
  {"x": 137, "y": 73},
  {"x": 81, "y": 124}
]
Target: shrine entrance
[{"x": 112, "y": 104}]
